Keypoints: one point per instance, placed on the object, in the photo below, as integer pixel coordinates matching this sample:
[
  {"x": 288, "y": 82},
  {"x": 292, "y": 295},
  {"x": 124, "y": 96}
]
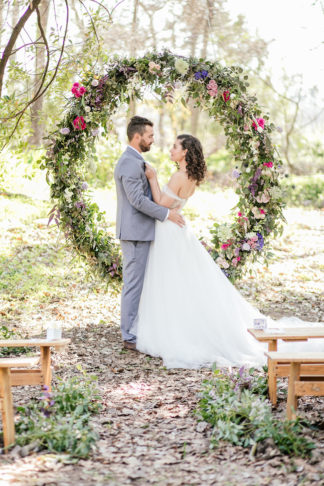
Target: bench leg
[
  {"x": 7, "y": 408},
  {"x": 272, "y": 380},
  {"x": 46, "y": 365},
  {"x": 294, "y": 376}
]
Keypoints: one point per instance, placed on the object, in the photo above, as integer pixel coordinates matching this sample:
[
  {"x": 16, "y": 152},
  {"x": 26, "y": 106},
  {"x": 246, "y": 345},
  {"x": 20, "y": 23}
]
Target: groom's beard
[{"x": 144, "y": 147}]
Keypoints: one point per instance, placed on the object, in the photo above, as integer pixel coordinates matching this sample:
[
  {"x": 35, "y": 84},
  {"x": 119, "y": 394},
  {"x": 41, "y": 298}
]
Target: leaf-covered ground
[{"x": 149, "y": 434}]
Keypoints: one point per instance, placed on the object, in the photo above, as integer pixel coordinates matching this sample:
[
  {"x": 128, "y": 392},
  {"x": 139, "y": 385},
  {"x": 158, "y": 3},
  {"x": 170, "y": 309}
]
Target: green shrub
[
  {"x": 59, "y": 421},
  {"x": 307, "y": 191},
  {"x": 239, "y": 415}
]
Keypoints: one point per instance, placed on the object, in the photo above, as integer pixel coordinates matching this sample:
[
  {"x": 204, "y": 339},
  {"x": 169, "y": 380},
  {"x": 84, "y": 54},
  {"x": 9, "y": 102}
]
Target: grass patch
[{"x": 236, "y": 407}]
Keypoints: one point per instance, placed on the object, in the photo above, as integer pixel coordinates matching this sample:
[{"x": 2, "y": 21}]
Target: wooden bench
[
  {"x": 300, "y": 384},
  {"x": 42, "y": 375},
  {"x": 293, "y": 334},
  {"x": 6, "y": 406}
]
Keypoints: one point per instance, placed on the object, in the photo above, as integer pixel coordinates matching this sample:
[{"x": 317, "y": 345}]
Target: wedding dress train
[{"x": 190, "y": 314}]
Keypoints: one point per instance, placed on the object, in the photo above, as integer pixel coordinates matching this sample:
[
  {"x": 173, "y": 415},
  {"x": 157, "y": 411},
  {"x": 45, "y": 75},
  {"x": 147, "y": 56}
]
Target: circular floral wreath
[{"x": 222, "y": 91}]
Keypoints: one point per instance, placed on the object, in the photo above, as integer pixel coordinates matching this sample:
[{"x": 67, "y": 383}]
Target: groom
[{"x": 136, "y": 215}]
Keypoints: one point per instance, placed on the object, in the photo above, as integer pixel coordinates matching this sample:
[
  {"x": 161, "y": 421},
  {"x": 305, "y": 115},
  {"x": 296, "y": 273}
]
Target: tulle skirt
[{"x": 191, "y": 316}]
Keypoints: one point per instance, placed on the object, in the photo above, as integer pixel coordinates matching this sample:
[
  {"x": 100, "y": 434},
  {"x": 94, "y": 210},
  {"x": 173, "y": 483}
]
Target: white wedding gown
[{"x": 190, "y": 314}]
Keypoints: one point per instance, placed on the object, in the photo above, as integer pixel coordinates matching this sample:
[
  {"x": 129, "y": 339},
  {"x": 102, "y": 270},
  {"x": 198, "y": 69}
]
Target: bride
[{"x": 190, "y": 315}]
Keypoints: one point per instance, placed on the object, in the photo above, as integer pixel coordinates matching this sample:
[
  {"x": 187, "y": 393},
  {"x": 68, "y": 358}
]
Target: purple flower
[
  {"x": 257, "y": 174},
  {"x": 201, "y": 75},
  {"x": 224, "y": 272},
  {"x": 241, "y": 371},
  {"x": 260, "y": 243},
  {"x": 252, "y": 188},
  {"x": 239, "y": 109},
  {"x": 236, "y": 174},
  {"x": 80, "y": 205},
  {"x": 84, "y": 186}
]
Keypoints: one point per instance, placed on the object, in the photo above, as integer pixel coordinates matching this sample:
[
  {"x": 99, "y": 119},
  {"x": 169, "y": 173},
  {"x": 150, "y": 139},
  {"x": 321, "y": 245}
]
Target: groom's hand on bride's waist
[{"x": 176, "y": 218}]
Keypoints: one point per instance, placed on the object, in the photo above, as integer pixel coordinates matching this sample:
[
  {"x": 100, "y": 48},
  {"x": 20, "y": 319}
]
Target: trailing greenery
[
  {"x": 304, "y": 190},
  {"x": 222, "y": 92},
  {"x": 60, "y": 421},
  {"x": 236, "y": 407}
]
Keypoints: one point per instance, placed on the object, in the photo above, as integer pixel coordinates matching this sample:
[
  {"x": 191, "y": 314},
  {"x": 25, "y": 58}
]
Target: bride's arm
[{"x": 160, "y": 197}]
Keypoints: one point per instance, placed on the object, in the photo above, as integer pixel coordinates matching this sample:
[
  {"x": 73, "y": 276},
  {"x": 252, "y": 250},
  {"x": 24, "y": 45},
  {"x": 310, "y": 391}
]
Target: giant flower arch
[{"x": 222, "y": 92}]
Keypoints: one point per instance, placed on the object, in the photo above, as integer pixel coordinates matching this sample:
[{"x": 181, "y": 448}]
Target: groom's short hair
[{"x": 137, "y": 124}]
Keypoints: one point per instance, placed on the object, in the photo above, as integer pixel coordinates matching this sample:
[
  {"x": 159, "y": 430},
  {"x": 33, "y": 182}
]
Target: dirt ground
[{"x": 148, "y": 432}]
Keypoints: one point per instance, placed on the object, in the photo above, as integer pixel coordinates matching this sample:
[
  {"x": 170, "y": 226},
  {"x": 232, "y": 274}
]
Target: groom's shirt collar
[{"x": 129, "y": 146}]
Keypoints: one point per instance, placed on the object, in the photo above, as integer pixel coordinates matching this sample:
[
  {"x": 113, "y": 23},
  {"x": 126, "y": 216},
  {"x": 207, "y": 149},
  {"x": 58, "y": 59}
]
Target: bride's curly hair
[{"x": 196, "y": 165}]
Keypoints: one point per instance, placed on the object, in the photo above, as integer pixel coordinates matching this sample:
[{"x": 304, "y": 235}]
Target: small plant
[
  {"x": 59, "y": 421},
  {"x": 235, "y": 405},
  {"x": 6, "y": 333}
]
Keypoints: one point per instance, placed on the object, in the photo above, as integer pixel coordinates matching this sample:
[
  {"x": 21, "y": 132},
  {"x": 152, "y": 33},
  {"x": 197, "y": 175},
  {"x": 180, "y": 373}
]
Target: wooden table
[
  {"x": 292, "y": 334},
  {"x": 6, "y": 406},
  {"x": 299, "y": 385},
  {"x": 42, "y": 375}
]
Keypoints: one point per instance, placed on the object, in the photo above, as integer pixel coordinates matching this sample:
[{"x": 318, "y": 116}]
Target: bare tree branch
[
  {"x": 15, "y": 33},
  {"x": 40, "y": 93}
]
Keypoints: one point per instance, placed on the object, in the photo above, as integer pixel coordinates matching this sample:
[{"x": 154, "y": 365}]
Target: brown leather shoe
[{"x": 129, "y": 345}]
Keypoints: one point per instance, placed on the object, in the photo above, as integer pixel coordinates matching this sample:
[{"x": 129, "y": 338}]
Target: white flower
[
  {"x": 94, "y": 82},
  {"x": 95, "y": 132},
  {"x": 246, "y": 247},
  {"x": 260, "y": 129},
  {"x": 232, "y": 96},
  {"x": 87, "y": 109},
  {"x": 181, "y": 66},
  {"x": 65, "y": 131},
  {"x": 68, "y": 194},
  {"x": 250, "y": 235},
  {"x": 222, "y": 262},
  {"x": 248, "y": 170}
]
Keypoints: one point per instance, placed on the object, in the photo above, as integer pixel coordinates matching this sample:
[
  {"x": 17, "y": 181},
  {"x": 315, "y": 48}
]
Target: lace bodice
[{"x": 179, "y": 202}]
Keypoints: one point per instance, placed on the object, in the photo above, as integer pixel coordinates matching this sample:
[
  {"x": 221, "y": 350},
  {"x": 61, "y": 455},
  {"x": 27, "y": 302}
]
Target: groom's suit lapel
[{"x": 141, "y": 161}]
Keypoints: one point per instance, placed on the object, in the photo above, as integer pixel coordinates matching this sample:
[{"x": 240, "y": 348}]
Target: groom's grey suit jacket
[{"x": 136, "y": 212}]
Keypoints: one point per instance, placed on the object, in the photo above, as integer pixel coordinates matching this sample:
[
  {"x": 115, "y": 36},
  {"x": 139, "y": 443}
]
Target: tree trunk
[
  {"x": 14, "y": 17},
  {"x": 40, "y": 59}
]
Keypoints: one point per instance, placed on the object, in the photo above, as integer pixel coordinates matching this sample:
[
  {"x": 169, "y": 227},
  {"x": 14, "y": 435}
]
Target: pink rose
[
  {"x": 240, "y": 214},
  {"x": 260, "y": 122},
  {"x": 82, "y": 90},
  {"x": 268, "y": 164},
  {"x": 262, "y": 211},
  {"x": 76, "y": 85},
  {"x": 79, "y": 123},
  {"x": 226, "y": 96}
]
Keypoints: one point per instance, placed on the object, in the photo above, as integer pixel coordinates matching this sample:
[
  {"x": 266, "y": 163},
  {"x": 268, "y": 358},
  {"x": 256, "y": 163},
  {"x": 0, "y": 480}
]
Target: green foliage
[
  {"x": 234, "y": 404},
  {"x": 304, "y": 190},
  {"x": 60, "y": 421}
]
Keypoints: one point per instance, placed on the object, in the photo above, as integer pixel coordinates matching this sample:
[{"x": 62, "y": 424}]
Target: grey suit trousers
[{"x": 135, "y": 255}]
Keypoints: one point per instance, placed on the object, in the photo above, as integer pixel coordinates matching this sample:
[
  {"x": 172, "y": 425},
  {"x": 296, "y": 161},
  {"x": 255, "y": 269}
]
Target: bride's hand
[{"x": 150, "y": 172}]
